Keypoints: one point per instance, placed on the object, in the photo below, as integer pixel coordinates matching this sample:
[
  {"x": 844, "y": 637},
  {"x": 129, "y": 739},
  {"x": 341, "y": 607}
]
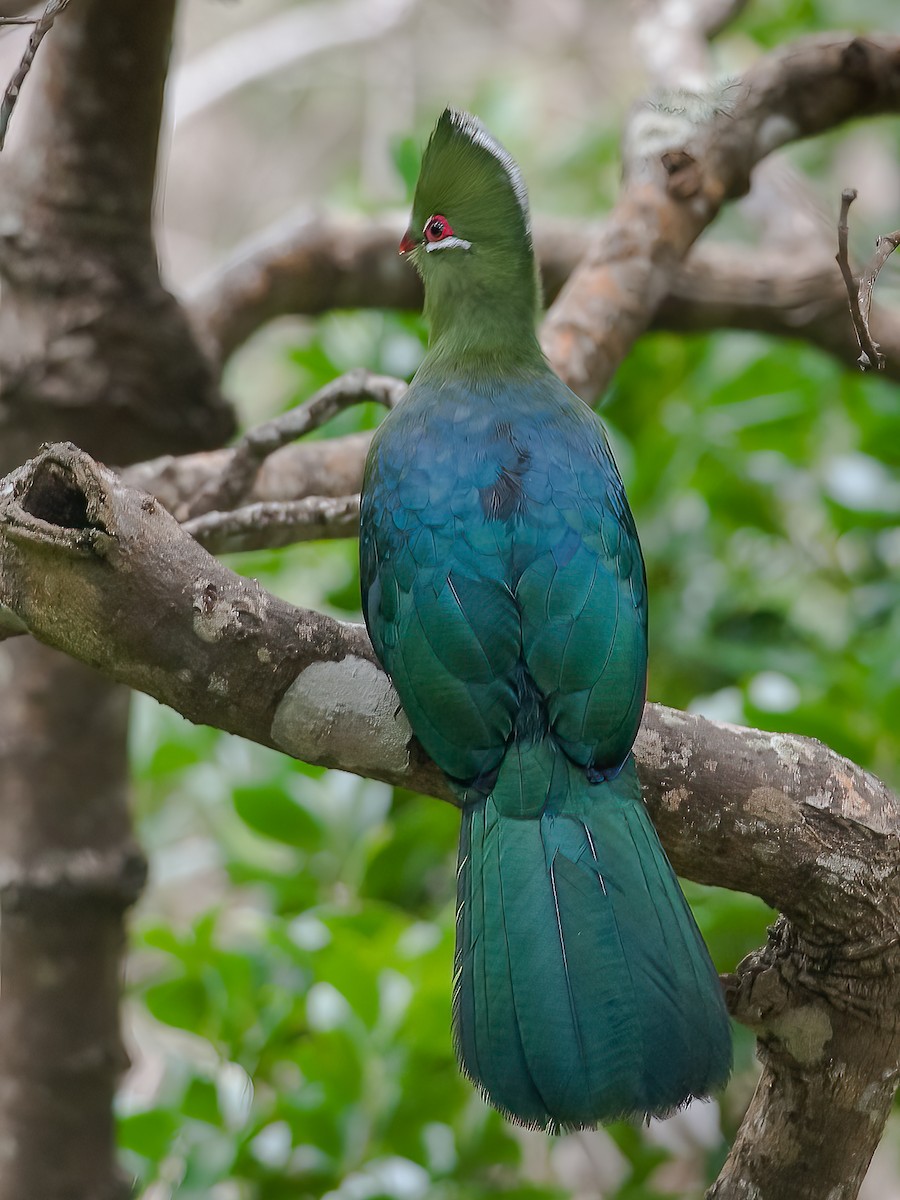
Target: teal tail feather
[{"x": 583, "y": 991}]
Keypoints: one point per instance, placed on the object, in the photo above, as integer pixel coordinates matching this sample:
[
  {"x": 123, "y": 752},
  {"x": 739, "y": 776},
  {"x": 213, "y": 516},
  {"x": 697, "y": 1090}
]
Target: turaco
[{"x": 504, "y": 592}]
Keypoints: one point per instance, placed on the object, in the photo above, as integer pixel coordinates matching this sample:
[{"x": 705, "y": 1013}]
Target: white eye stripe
[{"x": 447, "y": 243}]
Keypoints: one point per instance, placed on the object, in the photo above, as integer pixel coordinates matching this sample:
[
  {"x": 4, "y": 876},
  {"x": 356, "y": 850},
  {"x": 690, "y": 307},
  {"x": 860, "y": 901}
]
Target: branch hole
[{"x": 54, "y": 497}]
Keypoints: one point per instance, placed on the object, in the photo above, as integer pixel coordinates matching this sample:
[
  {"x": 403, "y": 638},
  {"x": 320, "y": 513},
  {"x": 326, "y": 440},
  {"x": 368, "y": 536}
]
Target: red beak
[{"x": 408, "y": 242}]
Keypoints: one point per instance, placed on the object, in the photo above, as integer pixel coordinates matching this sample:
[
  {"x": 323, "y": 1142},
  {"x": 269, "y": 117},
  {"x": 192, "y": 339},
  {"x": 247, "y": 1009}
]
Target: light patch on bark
[
  {"x": 653, "y": 753},
  {"x": 218, "y": 685},
  {"x": 219, "y": 614},
  {"x": 676, "y": 798},
  {"x": 349, "y": 704},
  {"x": 766, "y": 851},
  {"x": 844, "y": 866},
  {"x": 775, "y": 130},
  {"x": 803, "y": 1032}
]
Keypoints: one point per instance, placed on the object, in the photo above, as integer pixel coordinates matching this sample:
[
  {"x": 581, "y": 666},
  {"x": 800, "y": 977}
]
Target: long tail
[{"x": 583, "y": 990}]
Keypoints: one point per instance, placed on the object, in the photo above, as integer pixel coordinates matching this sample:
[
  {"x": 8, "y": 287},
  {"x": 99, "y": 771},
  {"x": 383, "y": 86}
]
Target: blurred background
[{"x": 289, "y": 989}]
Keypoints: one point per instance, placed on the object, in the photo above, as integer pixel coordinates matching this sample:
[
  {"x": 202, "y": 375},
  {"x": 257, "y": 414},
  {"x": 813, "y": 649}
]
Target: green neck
[{"x": 481, "y": 319}]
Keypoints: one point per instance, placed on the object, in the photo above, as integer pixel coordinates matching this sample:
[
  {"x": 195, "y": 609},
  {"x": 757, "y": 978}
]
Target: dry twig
[
  {"x": 42, "y": 26},
  {"x": 859, "y": 295}
]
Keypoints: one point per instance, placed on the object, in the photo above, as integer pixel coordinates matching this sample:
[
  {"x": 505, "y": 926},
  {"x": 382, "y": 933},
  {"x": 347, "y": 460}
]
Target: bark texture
[
  {"x": 90, "y": 340},
  {"x": 91, "y": 346}
]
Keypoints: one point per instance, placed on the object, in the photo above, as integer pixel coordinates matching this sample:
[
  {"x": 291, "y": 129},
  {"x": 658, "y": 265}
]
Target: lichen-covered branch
[
  {"x": 780, "y": 816},
  {"x": 683, "y": 157},
  {"x": 223, "y": 651}
]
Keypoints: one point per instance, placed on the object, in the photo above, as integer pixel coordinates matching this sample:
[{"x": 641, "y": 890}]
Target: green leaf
[
  {"x": 149, "y": 1133},
  {"x": 269, "y": 810},
  {"x": 178, "y": 1002},
  {"x": 201, "y": 1101}
]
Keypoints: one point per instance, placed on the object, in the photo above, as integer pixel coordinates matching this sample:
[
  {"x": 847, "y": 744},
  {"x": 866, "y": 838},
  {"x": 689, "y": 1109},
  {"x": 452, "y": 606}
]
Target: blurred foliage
[{"x": 291, "y": 973}]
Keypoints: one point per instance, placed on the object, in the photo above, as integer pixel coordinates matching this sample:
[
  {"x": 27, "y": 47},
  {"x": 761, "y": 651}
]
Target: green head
[{"x": 470, "y": 240}]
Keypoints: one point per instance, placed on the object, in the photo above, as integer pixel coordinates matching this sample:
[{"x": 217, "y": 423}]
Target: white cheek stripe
[{"x": 448, "y": 244}]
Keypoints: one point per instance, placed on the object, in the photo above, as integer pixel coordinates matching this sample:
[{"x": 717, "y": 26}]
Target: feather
[{"x": 594, "y": 992}]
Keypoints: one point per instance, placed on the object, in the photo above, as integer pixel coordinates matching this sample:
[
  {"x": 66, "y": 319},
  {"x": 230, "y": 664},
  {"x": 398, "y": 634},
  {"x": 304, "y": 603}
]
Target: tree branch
[
  {"x": 718, "y": 286},
  {"x": 777, "y": 815},
  {"x": 235, "y": 484},
  {"x": 311, "y": 263},
  {"x": 734, "y": 287},
  {"x": 89, "y": 338},
  {"x": 683, "y": 158},
  {"x": 330, "y": 467},
  {"x": 277, "y": 42},
  {"x": 276, "y": 523},
  {"x": 189, "y": 631}
]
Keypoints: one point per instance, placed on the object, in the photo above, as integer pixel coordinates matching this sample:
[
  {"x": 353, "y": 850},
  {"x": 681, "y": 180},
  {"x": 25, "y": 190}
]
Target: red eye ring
[{"x": 437, "y": 228}]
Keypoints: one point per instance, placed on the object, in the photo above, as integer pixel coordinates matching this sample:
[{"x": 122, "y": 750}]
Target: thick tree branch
[
  {"x": 718, "y": 286},
  {"x": 777, "y": 815},
  {"x": 311, "y": 263},
  {"x": 781, "y": 816},
  {"x": 732, "y": 287},
  {"x": 91, "y": 345},
  {"x": 89, "y": 338},
  {"x": 148, "y": 606},
  {"x": 683, "y": 158}
]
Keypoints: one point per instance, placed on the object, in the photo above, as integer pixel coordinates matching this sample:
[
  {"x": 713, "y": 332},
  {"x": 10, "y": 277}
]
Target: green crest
[{"x": 470, "y": 179}]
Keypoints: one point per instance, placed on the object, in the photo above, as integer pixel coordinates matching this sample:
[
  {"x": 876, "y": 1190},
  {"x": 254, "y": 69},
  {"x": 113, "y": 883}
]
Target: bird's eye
[{"x": 437, "y": 228}]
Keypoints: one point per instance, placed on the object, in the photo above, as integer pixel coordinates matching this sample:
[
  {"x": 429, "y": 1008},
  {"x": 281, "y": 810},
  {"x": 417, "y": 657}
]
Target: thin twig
[
  {"x": 224, "y": 492},
  {"x": 42, "y": 27},
  {"x": 884, "y": 248},
  {"x": 859, "y": 295},
  {"x": 270, "y": 524}
]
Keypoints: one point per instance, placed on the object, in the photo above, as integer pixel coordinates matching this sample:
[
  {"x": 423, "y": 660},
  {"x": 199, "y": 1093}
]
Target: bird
[{"x": 504, "y": 592}]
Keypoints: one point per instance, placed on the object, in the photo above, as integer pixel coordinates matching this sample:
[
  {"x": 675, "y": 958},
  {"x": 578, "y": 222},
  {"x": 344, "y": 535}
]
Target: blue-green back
[{"x": 503, "y": 585}]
